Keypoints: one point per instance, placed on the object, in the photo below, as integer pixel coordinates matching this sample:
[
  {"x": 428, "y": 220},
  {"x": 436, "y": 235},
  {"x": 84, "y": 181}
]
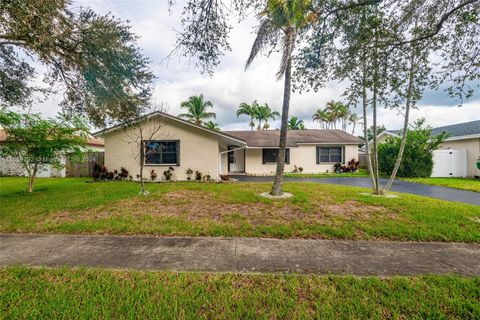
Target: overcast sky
[{"x": 177, "y": 79}]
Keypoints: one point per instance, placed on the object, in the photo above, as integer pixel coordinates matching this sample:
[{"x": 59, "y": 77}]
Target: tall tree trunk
[
  {"x": 277, "y": 183},
  {"x": 374, "y": 118},
  {"x": 142, "y": 160},
  {"x": 365, "y": 124},
  {"x": 408, "y": 104}
]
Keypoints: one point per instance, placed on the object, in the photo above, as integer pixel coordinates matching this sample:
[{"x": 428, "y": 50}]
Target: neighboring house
[
  {"x": 12, "y": 167},
  {"x": 464, "y": 142},
  {"x": 183, "y": 145}
]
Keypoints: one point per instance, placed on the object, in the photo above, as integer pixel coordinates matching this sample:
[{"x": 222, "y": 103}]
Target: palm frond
[
  {"x": 207, "y": 115},
  {"x": 264, "y": 31},
  {"x": 186, "y": 116}
]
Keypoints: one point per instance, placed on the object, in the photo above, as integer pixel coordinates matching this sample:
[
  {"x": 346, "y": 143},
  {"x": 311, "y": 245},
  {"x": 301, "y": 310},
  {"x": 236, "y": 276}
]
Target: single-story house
[
  {"x": 184, "y": 145},
  {"x": 463, "y": 145},
  {"x": 12, "y": 167}
]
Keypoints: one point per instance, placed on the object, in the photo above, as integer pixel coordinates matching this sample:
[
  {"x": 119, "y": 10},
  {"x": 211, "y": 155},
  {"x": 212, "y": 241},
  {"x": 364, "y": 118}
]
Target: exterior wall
[
  {"x": 199, "y": 150},
  {"x": 10, "y": 166},
  {"x": 473, "y": 152},
  {"x": 302, "y": 156}
]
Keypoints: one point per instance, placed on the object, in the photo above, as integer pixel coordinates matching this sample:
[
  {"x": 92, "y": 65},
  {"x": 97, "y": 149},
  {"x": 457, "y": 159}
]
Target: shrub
[
  {"x": 337, "y": 167},
  {"x": 167, "y": 174},
  {"x": 198, "y": 175},
  {"x": 189, "y": 173},
  {"x": 153, "y": 175},
  {"x": 100, "y": 173},
  {"x": 417, "y": 158},
  {"x": 352, "y": 166},
  {"x": 297, "y": 169},
  {"x": 123, "y": 174}
]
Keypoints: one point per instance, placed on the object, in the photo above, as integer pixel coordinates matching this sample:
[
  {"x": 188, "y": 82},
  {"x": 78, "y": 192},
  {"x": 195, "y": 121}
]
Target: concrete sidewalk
[{"x": 241, "y": 254}]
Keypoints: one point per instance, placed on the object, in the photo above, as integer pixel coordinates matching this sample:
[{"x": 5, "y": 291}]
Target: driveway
[{"x": 442, "y": 193}]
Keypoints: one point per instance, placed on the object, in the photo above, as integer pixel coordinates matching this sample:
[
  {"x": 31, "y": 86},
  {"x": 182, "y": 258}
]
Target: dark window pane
[
  {"x": 169, "y": 158},
  {"x": 324, "y": 158},
  {"x": 161, "y": 152},
  {"x": 271, "y": 155},
  {"x": 329, "y": 154},
  {"x": 336, "y": 158}
]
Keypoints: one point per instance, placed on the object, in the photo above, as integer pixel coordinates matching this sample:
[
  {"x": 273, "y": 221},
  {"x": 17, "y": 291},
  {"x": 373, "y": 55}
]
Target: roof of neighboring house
[
  {"x": 393, "y": 132},
  {"x": 270, "y": 138},
  {"x": 169, "y": 116},
  {"x": 460, "y": 129},
  {"x": 457, "y": 131},
  {"x": 91, "y": 141}
]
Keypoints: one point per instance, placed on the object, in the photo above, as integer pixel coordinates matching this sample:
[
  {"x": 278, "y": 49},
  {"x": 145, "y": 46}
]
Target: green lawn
[
  {"x": 458, "y": 183},
  {"x": 73, "y": 206},
  {"x": 361, "y": 173},
  {"x": 101, "y": 294}
]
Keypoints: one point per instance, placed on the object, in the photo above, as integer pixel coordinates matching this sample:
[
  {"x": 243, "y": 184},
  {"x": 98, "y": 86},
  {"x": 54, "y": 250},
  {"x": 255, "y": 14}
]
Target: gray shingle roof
[
  {"x": 460, "y": 129},
  {"x": 270, "y": 138}
]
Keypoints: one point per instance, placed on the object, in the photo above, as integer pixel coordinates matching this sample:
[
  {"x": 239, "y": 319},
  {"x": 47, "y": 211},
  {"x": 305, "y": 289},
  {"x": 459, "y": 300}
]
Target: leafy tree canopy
[
  {"x": 38, "y": 142},
  {"x": 95, "y": 58}
]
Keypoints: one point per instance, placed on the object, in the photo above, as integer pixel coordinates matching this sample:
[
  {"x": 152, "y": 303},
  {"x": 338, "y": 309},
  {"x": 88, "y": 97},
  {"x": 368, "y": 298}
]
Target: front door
[{"x": 236, "y": 160}]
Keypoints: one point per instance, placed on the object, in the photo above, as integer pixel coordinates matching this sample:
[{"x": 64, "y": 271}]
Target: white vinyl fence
[{"x": 449, "y": 163}]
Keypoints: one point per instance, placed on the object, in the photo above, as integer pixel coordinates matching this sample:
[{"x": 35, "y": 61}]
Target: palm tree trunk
[
  {"x": 408, "y": 104},
  {"x": 277, "y": 183}
]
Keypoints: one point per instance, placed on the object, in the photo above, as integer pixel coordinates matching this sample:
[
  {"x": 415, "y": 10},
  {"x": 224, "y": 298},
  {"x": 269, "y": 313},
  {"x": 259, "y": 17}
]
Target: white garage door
[{"x": 449, "y": 163}]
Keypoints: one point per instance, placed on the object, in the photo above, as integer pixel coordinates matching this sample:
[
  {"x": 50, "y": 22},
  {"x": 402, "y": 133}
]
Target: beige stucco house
[{"x": 183, "y": 145}]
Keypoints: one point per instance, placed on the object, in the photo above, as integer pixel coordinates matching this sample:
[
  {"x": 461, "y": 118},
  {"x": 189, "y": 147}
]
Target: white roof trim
[{"x": 465, "y": 137}]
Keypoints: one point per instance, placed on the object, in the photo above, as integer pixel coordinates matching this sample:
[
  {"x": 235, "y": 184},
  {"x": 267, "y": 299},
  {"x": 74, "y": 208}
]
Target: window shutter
[
  {"x": 287, "y": 156},
  {"x": 178, "y": 152},
  {"x": 263, "y": 156},
  {"x": 318, "y": 155}
]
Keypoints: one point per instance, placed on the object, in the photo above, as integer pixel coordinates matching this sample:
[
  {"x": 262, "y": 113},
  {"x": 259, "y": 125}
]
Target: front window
[
  {"x": 329, "y": 154},
  {"x": 162, "y": 152},
  {"x": 271, "y": 156}
]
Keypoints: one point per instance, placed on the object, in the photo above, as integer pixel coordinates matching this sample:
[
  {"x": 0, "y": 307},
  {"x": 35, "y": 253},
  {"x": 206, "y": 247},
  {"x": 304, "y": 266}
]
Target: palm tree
[
  {"x": 285, "y": 19},
  {"x": 248, "y": 110},
  {"x": 196, "y": 109},
  {"x": 212, "y": 125},
  {"x": 322, "y": 117},
  {"x": 353, "y": 119},
  {"x": 337, "y": 111},
  {"x": 295, "y": 124},
  {"x": 264, "y": 113}
]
